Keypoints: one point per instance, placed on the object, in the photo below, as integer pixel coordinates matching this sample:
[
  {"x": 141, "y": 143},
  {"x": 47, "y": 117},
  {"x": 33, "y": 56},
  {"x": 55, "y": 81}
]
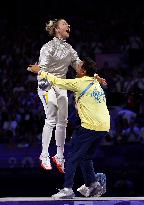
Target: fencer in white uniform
[{"x": 55, "y": 57}]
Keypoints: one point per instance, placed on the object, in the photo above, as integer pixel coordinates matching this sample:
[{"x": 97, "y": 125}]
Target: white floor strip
[{"x": 6, "y": 199}]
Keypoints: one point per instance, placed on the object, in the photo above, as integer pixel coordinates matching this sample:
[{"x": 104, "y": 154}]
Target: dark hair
[{"x": 89, "y": 66}]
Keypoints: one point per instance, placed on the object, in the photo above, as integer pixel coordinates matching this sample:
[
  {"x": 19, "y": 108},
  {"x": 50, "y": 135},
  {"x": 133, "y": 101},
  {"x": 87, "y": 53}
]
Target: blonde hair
[{"x": 51, "y": 25}]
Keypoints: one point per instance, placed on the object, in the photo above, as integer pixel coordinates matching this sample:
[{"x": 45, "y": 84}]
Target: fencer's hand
[
  {"x": 33, "y": 68},
  {"x": 100, "y": 80}
]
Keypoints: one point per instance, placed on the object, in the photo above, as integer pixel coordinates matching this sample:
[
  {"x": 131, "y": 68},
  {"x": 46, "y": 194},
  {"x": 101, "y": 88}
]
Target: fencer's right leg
[
  {"x": 50, "y": 122},
  {"x": 46, "y": 138}
]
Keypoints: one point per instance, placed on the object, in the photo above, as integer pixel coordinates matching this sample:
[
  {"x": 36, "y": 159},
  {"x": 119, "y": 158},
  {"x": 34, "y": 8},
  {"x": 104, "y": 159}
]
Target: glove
[{"x": 44, "y": 84}]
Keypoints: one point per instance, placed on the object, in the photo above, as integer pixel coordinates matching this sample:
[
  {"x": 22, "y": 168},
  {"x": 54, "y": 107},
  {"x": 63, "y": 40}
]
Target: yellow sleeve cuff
[{"x": 43, "y": 74}]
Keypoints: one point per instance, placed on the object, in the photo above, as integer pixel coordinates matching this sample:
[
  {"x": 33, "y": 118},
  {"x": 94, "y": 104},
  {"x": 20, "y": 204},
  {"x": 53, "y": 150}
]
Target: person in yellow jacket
[{"x": 95, "y": 123}]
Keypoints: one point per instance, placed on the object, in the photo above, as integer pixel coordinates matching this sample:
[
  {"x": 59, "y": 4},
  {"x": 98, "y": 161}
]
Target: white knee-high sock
[
  {"x": 60, "y": 135},
  {"x": 46, "y": 138}
]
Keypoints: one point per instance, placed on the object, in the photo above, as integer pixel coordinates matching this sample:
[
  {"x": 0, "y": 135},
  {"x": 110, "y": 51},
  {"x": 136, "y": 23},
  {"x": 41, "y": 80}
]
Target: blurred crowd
[{"x": 21, "y": 111}]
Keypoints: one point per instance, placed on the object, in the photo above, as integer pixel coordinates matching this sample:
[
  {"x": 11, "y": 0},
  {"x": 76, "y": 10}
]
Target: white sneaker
[
  {"x": 45, "y": 162},
  {"x": 92, "y": 190},
  {"x": 83, "y": 190},
  {"x": 59, "y": 163},
  {"x": 66, "y": 193}
]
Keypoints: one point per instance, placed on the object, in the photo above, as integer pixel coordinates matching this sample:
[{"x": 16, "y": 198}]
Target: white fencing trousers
[{"x": 55, "y": 103}]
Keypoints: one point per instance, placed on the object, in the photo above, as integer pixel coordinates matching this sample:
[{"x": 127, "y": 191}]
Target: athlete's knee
[
  {"x": 50, "y": 123},
  {"x": 62, "y": 124},
  {"x": 62, "y": 120}
]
